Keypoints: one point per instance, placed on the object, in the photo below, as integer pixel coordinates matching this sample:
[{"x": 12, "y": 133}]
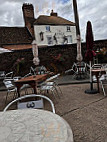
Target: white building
[{"x": 54, "y": 30}]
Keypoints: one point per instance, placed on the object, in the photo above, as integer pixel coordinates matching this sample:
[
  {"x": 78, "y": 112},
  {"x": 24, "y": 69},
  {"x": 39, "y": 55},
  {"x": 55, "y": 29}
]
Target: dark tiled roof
[
  {"x": 14, "y": 35},
  {"x": 52, "y": 20}
]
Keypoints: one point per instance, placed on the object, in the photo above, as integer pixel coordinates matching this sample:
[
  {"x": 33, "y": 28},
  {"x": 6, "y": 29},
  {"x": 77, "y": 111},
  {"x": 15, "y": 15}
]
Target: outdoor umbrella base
[{"x": 89, "y": 91}]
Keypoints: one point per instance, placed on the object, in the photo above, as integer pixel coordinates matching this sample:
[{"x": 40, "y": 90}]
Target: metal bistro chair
[
  {"x": 26, "y": 86},
  {"x": 73, "y": 69},
  {"x": 10, "y": 88},
  {"x": 9, "y": 75},
  {"x": 81, "y": 68},
  {"x": 32, "y": 71},
  {"x": 51, "y": 85},
  {"x": 40, "y": 70},
  {"x": 104, "y": 81},
  {"x": 103, "y": 85},
  {"x": 2, "y": 74},
  {"x": 15, "y": 78},
  {"x": 96, "y": 66},
  {"x": 31, "y": 104}
]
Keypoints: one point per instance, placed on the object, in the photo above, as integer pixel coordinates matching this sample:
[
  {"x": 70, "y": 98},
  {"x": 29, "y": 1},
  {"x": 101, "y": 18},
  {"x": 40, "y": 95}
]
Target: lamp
[{"x": 41, "y": 36}]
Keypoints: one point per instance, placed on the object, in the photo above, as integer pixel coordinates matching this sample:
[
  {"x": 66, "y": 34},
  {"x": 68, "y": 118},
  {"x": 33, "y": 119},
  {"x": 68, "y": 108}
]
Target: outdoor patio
[{"x": 85, "y": 113}]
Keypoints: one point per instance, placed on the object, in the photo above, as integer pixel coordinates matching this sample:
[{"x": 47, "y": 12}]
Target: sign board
[{"x": 30, "y": 104}]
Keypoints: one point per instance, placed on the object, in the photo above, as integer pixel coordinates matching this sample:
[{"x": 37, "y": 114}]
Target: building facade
[
  {"x": 46, "y": 30},
  {"x": 54, "y": 30}
]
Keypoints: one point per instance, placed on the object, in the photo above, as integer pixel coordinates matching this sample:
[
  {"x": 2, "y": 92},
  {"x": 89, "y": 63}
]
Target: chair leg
[
  {"x": 40, "y": 91},
  {"x": 57, "y": 91},
  {"x": 15, "y": 95},
  {"x": 53, "y": 93},
  {"x": 74, "y": 74},
  {"x": 6, "y": 97},
  {"x": 32, "y": 91},
  {"x": 103, "y": 89},
  {"x": 26, "y": 92},
  {"x": 59, "y": 88}
]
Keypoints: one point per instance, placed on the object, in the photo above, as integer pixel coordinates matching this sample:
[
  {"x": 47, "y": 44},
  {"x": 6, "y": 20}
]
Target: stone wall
[
  {"x": 18, "y": 61},
  {"x": 56, "y": 59}
]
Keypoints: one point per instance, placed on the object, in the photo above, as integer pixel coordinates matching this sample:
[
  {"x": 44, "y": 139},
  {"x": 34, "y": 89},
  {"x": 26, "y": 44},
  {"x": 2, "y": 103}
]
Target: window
[
  {"x": 69, "y": 38},
  {"x": 68, "y": 28},
  {"x": 47, "y": 28},
  {"x": 49, "y": 40}
]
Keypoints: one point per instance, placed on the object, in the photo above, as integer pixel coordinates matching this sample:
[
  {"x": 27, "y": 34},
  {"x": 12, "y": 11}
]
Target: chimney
[
  {"x": 53, "y": 14},
  {"x": 28, "y": 14},
  {"x": 28, "y": 11}
]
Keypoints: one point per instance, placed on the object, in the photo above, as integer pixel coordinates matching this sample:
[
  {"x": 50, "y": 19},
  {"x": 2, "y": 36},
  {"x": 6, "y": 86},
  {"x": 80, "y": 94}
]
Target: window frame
[
  {"x": 47, "y": 28},
  {"x": 49, "y": 41},
  {"x": 69, "y": 39},
  {"x": 68, "y": 28}
]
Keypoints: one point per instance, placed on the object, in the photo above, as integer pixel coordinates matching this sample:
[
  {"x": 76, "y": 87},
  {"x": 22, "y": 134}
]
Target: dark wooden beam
[{"x": 76, "y": 17}]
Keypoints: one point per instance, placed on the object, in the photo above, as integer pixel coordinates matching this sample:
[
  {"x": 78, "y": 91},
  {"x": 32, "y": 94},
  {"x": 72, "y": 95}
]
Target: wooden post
[
  {"x": 79, "y": 55},
  {"x": 76, "y": 17}
]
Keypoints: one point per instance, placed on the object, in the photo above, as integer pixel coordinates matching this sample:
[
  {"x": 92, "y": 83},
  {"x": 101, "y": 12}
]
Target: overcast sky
[{"x": 89, "y": 10}]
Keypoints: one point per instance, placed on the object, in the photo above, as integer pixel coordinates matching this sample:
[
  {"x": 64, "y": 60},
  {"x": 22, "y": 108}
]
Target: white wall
[{"x": 60, "y": 31}]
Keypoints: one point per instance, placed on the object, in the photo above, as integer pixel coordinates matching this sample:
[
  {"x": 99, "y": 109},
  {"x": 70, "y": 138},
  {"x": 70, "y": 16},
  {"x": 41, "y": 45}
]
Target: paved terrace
[{"x": 85, "y": 113}]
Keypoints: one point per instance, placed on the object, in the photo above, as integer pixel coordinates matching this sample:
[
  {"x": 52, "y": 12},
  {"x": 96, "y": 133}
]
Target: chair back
[
  {"x": 81, "y": 67},
  {"x": 16, "y": 78},
  {"x": 2, "y": 73},
  {"x": 30, "y": 96},
  {"x": 74, "y": 68},
  {"x": 29, "y": 74},
  {"x": 105, "y": 67},
  {"x": 8, "y": 84},
  {"x": 96, "y": 66},
  {"x": 40, "y": 70},
  {"x": 53, "y": 77},
  {"x": 32, "y": 71},
  {"x": 9, "y": 75}
]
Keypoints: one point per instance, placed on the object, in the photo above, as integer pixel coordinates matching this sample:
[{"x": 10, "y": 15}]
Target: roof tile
[
  {"x": 14, "y": 35},
  {"x": 52, "y": 20}
]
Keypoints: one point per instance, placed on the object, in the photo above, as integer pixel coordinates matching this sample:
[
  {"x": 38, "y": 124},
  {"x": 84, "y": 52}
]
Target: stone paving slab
[
  {"x": 62, "y": 80},
  {"x": 74, "y": 97},
  {"x": 69, "y": 79},
  {"x": 86, "y": 113},
  {"x": 89, "y": 124}
]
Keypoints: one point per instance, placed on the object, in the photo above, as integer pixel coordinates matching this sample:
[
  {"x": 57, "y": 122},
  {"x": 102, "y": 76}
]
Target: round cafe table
[{"x": 33, "y": 125}]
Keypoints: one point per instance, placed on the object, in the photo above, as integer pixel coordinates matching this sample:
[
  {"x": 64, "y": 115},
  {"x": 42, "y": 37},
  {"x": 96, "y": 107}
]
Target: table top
[
  {"x": 33, "y": 78},
  {"x": 33, "y": 125},
  {"x": 98, "y": 70}
]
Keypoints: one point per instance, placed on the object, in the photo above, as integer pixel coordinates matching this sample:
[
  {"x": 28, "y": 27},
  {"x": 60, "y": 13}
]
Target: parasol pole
[
  {"x": 91, "y": 83},
  {"x": 79, "y": 55},
  {"x": 76, "y": 17},
  {"x": 89, "y": 55},
  {"x": 35, "y": 53}
]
